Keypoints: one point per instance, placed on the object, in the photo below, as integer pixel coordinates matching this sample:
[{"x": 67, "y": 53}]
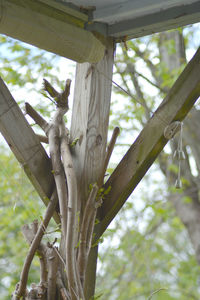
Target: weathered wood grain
[
  {"x": 50, "y": 28},
  {"x": 150, "y": 141},
  {"x": 25, "y": 145},
  {"x": 90, "y": 117},
  {"x": 90, "y": 124},
  {"x": 157, "y": 17}
]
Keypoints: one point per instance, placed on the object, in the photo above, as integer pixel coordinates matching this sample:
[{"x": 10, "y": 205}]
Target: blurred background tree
[
  {"x": 154, "y": 243},
  {"x": 154, "y": 250}
]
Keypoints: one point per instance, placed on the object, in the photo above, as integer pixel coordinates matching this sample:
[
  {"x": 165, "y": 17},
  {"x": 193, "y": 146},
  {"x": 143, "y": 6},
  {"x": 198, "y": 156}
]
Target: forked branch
[
  {"x": 21, "y": 287},
  {"x": 75, "y": 260}
]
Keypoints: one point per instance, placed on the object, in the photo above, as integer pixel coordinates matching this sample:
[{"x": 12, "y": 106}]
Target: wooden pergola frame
[
  {"x": 90, "y": 119},
  {"x": 33, "y": 158},
  {"x": 133, "y": 166}
]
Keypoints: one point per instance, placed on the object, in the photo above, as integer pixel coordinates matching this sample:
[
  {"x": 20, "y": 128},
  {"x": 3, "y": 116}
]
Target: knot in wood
[
  {"x": 172, "y": 129},
  {"x": 98, "y": 140}
]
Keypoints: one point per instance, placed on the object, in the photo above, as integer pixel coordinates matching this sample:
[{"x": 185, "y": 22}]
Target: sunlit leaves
[{"x": 21, "y": 63}]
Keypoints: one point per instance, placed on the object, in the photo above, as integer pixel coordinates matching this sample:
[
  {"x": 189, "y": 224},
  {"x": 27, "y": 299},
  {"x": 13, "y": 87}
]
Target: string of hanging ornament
[{"x": 180, "y": 156}]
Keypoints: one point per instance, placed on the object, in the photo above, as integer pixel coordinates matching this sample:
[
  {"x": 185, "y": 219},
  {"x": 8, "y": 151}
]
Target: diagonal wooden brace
[
  {"x": 150, "y": 142},
  {"x": 26, "y": 146}
]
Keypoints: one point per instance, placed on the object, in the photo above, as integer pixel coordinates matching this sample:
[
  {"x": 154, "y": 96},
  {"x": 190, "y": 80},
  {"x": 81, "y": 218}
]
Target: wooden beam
[
  {"x": 90, "y": 117},
  {"x": 68, "y": 8},
  {"x": 25, "y": 145},
  {"x": 162, "y": 19},
  {"x": 116, "y": 12},
  {"x": 50, "y": 28},
  {"x": 150, "y": 142}
]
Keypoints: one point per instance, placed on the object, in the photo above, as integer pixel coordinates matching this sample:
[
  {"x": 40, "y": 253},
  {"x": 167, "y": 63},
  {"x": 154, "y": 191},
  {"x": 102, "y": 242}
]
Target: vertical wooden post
[{"x": 90, "y": 118}]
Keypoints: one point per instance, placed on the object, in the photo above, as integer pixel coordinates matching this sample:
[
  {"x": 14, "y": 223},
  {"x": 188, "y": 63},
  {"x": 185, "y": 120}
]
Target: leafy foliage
[
  {"x": 19, "y": 205},
  {"x": 151, "y": 250}
]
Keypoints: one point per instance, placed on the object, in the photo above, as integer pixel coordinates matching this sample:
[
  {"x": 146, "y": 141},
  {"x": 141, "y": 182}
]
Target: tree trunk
[{"x": 188, "y": 211}]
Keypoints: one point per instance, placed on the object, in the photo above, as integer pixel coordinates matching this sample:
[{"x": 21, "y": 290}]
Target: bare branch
[
  {"x": 52, "y": 272},
  {"x": 140, "y": 95},
  {"x": 152, "y": 68},
  {"x": 59, "y": 144},
  {"x": 163, "y": 90},
  {"x": 155, "y": 292},
  {"x": 54, "y": 148},
  {"x": 43, "y": 265},
  {"x": 73, "y": 282},
  {"x": 125, "y": 82},
  {"x": 66, "y": 91},
  {"x": 88, "y": 216},
  {"x": 149, "y": 63},
  {"x": 64, "y": 293},
  {"x": 29, "y": 233},
  {"x": 60, "y": 98},
  {"x": 21, "y": 289},
  {"x": 50, "y": 89},
  {"x": 43, "y": 138},
  {"x": 110, "y": 148},
  {"x": 37, "y": 292},
  {"x": 39, "y": 120},
  {"x": 90, "y": 236}
]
